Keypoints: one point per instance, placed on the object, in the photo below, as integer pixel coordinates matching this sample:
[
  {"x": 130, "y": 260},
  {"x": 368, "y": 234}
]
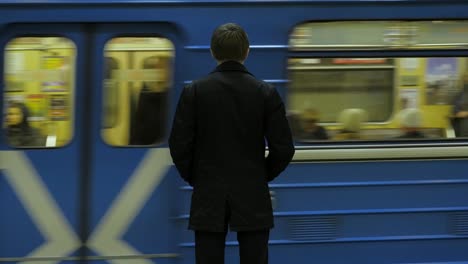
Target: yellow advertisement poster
[
  {"x": 54, "y": 65},
  {"x": 58, "y": 107},
  {"x": 37, "y": 106}
]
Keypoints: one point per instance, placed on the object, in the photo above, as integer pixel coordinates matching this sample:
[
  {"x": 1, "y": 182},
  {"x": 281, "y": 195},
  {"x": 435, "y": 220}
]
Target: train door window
[
  {"x": 39, "y": 87},
  {"x": 377, "y": 98},
  {"x": 137, "y": 80}
]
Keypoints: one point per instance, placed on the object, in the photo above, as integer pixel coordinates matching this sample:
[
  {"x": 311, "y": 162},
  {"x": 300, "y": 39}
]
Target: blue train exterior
[{"x": 89, "y": 202}]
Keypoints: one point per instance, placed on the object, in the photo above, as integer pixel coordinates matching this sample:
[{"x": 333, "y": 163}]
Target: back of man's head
[{"x": 229, "y": 42}]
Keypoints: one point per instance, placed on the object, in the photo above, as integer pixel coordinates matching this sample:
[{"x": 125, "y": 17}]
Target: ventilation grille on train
[
  {"x": 313, "y": 228},
  {"x": 460, "y": 223}
]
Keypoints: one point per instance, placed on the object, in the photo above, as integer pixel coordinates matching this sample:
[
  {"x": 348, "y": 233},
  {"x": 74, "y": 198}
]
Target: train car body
[{"x": 101, "y": 187}]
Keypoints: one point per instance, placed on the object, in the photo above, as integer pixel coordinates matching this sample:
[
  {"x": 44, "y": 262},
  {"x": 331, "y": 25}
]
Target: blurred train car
[{"x": 89, "y": 89}]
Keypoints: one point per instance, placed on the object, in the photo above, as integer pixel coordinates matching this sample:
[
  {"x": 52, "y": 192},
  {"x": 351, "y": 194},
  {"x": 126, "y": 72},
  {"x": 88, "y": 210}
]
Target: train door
[
  {"x": 41, "y": 142},
  {"x": 130, "y": 196},
  {"x": 87, "y": 181}
]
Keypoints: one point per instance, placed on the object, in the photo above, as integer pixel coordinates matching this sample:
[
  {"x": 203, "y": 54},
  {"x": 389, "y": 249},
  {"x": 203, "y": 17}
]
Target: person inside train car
[
  {"x": 217, "y": 143},
  {"x": 150, "y": 110},
  {"x": 351, "y": 120},
  {"x": 460, "y": 110},
  {"x": 18, "y": 130},
  {"x": 310, "y": 129},
  {"x": 411, "y": 122}
]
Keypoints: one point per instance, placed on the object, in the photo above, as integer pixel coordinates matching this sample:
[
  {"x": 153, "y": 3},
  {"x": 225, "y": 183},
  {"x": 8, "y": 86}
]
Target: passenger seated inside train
[
  {"x": 411, "y": 123},
  {"x": 460, "y": 110},
  {"x": 309, "y": 127},
  {"x": 351, "y": 121},
  {"x": 19, "y": 132}
]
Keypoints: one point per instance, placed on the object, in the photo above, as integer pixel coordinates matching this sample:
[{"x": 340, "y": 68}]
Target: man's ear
[
  {"x": 212, "y": 55},
  {"x": 211, "y": 51},
  {"x": 246, "y": 55}
]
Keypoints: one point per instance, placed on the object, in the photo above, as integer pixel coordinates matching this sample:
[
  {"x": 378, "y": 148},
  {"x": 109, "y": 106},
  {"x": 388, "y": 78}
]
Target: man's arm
[
  {"x": 278, "y": 135},
  {"x": 182, "y": 138},
  {"x": 458, "y": 110}
]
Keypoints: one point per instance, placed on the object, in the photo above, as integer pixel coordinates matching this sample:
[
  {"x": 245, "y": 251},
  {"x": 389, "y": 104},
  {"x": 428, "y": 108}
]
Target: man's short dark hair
[{"x": 229, "y": 42}]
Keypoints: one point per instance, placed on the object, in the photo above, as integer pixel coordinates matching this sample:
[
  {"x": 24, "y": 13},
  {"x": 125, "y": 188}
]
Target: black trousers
[{"x": 253, "y": 247}]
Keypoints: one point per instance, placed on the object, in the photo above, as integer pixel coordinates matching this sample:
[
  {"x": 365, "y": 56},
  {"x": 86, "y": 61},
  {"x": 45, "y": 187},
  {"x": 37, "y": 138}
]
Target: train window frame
[
  {"x": 171, "y": 50},
  {"x": 393, "y": 52},
  {"x": 110, "y": 108},
  {"x": 60, "y": 99}
]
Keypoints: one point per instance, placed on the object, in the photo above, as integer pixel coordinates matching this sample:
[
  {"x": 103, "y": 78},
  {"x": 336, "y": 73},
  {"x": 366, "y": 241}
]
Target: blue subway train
[{"x": 88, "y": 90}]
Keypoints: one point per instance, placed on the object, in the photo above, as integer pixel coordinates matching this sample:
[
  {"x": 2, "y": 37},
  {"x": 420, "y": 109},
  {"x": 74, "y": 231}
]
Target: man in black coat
[{"x": 217, "y": 143}]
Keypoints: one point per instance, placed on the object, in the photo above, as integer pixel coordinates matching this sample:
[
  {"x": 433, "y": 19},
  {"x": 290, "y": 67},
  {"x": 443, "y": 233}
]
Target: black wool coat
[{"x": 217, "y": 143}]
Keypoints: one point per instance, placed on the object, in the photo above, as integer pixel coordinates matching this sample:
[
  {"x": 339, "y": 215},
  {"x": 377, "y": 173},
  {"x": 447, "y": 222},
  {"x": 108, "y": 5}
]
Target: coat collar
[{"x": 231, "y": 66}]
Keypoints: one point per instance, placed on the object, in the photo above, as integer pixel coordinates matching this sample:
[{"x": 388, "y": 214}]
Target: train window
[
  {"x": 377, "y": 98},
  {"x": 358, "y": 35},
  {"x": 39, "y": 88},
  {"x": 365, "y": 83},
  {"x": 136, "y": 84}
]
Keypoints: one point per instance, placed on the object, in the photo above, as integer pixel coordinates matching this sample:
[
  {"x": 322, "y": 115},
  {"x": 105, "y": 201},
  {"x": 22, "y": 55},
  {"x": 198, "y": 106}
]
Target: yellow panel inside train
[
  {"x": 138, "y": 76},
  {"x": 376, "y": 97},
  {"x": 39, "y": 88}
]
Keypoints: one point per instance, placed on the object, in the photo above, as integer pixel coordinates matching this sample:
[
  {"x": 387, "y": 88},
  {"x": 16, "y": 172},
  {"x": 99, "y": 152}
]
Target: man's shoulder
[
  {"x": 214, "y": 76},
  {"x": 205, "y": 80}
]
